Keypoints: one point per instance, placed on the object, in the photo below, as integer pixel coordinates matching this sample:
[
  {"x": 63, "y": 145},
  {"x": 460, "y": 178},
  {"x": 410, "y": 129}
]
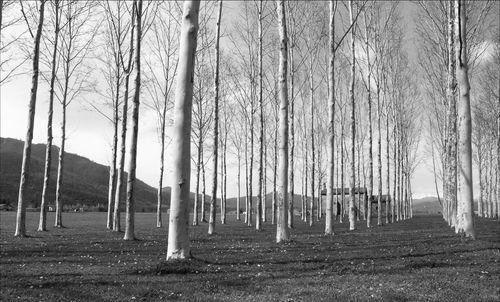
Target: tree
[
  {"x": 331, "y": 124},
  {"x": 130, "y": 204},
  {"x": 120, "y": 182},
  {"x": 465, "y": 196},
  {"x": 76, "y": 40},
  {"x": 162, "y": 69},
  {"x": 282, "y": 225},
  {"x": 211, "y": 222},
  {"x": 42, "y": 226},
  {"x": 178, "y": 239},
  {"x": 352, "y": 209},
  {"x": 115, "y": 33},
  {"x": 25, "y": 169},
  {"x": 258, "y": 219}
]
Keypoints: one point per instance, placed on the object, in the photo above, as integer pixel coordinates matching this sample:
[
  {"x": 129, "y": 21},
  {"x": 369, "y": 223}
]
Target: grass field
[{"x": 415, "y": 260}]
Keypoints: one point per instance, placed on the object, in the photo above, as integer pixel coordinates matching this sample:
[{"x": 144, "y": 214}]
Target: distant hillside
[
  {"x": 426, "y": 205},
  {"x": 85, "y": 182}
]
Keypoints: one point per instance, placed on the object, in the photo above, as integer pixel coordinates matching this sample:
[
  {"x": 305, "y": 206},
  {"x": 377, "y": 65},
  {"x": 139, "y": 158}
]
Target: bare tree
[
  {"x": 211, "y": 222},
  {"x": 282, "y": 233},
  {"x": 76, "y": 40},
  {"x": 331, "y": 124},
  {"x": 130, "y": 204},
  {"x": 178, "y": 239},
  {"x": 465, "y": 196},
  {"x": 162, "y": 67},
  {"x": 25, "y": 169},
  {"x": 42, "y": 226},
  {"x": 127, "y": 69},
  {"x": 352, "y": 207}
]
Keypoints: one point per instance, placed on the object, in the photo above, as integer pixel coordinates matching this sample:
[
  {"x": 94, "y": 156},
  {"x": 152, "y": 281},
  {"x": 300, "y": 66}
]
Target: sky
[{"x": 89, "y": 134}]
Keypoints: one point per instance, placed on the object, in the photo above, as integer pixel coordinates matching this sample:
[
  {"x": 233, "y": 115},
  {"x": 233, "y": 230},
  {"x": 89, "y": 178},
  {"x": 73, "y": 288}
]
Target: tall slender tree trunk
[
  {"x": 60, "y": 168},
  {"x": 42, "y": 226},
  {"x": 203, "y": 188},
  {"x": 198, "y": 171},
  {"x": 388, "y": 200},
  {"x": 112, "y": 167},
  {"x": 394, "y": 168},
  {"x": 275, "y": 174},
  {"x": 342, "y": 169},
  {"x": 130, "y": 205},
  {"x": 264, "y": 185},
  {"x": 313, "y": 159},
  {"x": 120, "y": 183},
  {"x": 480, "y": 202},
  {"x": 238, "y": 199},
  {"x": 282, "y": 233},
  {"x": 352, "y": 221},
  {"x": 379, "y": 157},
  {"x": 292, "y": 135},
  {"x": 247, "y": 197},
  {"x": 178, "y": 237},
  {"x": 258, "y": 219},
  {"x": 465, "y": 203},
  {"x": 370, "y": 137},
  {"x": 162, "y": 158},
  {"x": 498, "y": 156},
  {"x": 331, "y": 125},
  {"x": 451, "y": 131},
  {"x": 213, "y": 200},
  {"x": 25, "y": 168}
]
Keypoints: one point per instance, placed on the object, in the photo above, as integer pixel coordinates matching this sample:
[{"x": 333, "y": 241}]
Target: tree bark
[
  {"x": 313, "y": 159},
  {"x": 213, "y": 200},
  {"x": 178, "y": 237},
  {"x": 60, "y": 168},
  {"x": 238, "y": 199},
  {"x": 465, "y": 202},
  {"x": 25, "y": 169},
  {"x": 112, "y": 168},
  {"x": 42, "y": 226},
  {"x": 130, "y": 205},
  {"x": 258, "y": 219},
  {"x": 370, "y": 136},
  {"x": 451, "y": 131},
  {"x": 120, "y": 182},
  {"x": 331, "y": 125},
  {"x": 352, "y": 221},
  {"x": 282, "y": 233}
]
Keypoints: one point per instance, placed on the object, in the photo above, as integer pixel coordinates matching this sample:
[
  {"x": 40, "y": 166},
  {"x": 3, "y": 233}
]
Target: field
[{"x": 414, "y": 260}]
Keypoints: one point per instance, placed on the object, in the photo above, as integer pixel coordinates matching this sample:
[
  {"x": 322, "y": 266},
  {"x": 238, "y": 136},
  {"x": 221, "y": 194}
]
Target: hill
[
  {"x": 85, "y": 182},
  {"x": 426, "y": 205}
]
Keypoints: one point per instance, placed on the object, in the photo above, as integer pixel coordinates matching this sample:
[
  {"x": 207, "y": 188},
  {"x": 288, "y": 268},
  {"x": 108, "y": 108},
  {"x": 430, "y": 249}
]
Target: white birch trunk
[
  {"x": 25, "y": 168},
  {"x": 42, "y": 226},
  {"x": 352, "y": 220},
  {"x": 258, "y": 218},
  {"x": 313, "y": 159},
  {"x": 465, "y": 201},
  {"x": 130, "y": 204},
  {"x": 282, "y": 233},
  {"x": 331, "y": 126},
  {"x": 178, "y": 237},
  {"x": 120, "y": 182},
  {"x": 451, "y": 134},
  {"x": 213, "y": 200}
]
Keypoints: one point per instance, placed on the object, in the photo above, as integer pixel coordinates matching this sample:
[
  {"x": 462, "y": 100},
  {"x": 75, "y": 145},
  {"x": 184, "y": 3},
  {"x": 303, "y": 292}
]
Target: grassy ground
[{"x": 415, "y": 260}]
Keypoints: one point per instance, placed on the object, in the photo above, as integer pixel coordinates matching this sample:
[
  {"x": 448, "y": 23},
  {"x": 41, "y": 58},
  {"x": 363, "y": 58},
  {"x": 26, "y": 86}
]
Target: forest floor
[{"x": 415, "y": 260}]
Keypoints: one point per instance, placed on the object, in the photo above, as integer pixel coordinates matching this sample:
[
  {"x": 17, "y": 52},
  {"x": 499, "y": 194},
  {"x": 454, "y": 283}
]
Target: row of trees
[
  {"x": 235, "y": 85},
  {"x": 457, "y": 50}
]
